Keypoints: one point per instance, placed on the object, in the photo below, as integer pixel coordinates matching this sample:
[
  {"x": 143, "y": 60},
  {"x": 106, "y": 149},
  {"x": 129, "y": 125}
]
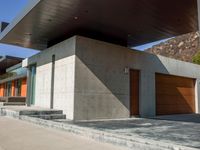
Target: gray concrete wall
[
  {"x": 90, "y": 81},
  {"x": 102, "y": 86},
  {"x": 63, "y": 80}
]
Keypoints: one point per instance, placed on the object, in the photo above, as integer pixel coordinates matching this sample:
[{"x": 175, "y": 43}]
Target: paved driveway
[
  {"x": 19, "y": 135},
  {"x": 181, "y": 129}
]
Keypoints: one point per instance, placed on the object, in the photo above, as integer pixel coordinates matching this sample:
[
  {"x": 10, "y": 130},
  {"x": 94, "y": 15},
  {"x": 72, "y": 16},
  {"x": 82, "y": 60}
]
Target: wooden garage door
[
  {"x": 134, "y": 92},
  {"x": 174, "y": 95}
]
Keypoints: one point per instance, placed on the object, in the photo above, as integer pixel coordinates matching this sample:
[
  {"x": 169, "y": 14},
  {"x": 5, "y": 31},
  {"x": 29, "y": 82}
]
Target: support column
[
  {"x": 197, "y": 86},
  {"x": 28, "y": 101},
  {"x": 52, "y": 82},
  {"x": 197, "y": 96}
]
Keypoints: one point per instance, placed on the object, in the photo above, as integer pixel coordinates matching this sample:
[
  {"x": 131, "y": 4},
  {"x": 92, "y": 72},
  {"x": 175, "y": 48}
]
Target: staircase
[
  {"x": 12, "y": 104},
  {"x": 44, "y": 114},
  {"x": 13, "y": 101}
]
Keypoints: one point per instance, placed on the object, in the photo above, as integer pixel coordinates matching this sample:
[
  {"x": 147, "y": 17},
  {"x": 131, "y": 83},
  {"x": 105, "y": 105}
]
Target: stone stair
[
  {"x": 50, "y": 116},
  {"x": 12, "y": 103},
  {"x": 44, "y": 114}
]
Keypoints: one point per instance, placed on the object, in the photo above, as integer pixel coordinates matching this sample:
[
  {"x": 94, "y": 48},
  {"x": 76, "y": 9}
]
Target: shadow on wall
[
  {"x": 104, "y": 68},
  {"x": 101, "y": 68},
  {"x": 195, "y": 118},
  {"x": 102, "y": 88}
]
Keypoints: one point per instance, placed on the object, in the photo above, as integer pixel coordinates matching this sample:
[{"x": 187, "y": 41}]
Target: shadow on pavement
[{"x": 193, "y": 118}]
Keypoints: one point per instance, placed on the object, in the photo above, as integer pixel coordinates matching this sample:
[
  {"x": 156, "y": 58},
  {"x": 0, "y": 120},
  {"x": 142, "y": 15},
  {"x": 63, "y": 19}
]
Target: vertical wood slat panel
[{"x": 174, "y": 95}]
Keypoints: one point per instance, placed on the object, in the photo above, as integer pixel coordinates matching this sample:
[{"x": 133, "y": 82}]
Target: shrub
[{"x": 196, "y": 58}]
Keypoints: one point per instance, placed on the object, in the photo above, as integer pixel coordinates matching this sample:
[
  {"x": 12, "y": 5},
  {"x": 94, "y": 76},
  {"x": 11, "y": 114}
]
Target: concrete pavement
[
  {"x": 183, "y": 130},
  {"x": 160, "y": 133},
  {"x": 19, "y": 135}
]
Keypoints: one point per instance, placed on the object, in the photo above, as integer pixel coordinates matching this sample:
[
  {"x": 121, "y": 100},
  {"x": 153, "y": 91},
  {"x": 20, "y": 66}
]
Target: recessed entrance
[{"x": 134, "y": 92}]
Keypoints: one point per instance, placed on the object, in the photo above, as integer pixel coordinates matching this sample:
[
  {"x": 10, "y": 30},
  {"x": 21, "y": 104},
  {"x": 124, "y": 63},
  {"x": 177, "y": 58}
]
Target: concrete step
[
  {"x": 63, "y": 120},
  {"x": 39, "y": 112},
  {"x": 3, "y": 99},
  {"x": 50, "y": 116},
  {"x": 13, "y": 104},
  {"x": 16, "y": 99}
]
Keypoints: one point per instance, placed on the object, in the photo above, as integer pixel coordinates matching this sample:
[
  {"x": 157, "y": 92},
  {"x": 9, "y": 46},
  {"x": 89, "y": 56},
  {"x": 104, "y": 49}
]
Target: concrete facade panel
[
  {"x": 94, "y": 99},
  {"x": 64, "y": 85},
  {"x": 92, "y": 78},
  {"x": 147, "y": 104},
  {"x": 43, "y": 86},
  {"x": 100, "y": 71},
  {"x": 63, "y": 97}
]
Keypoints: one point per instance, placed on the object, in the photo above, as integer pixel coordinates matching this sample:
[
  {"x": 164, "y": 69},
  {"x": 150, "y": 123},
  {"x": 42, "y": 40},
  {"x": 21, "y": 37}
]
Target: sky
[
  {"x": 149, "y": 45},
  {"x": 9, "y": 9}
]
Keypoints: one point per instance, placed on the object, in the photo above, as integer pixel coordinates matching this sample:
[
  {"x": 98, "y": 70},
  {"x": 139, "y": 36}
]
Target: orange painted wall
[
  {"x": 1, "y": 90},
  {"x": 24, "y": 87},
  {"x": 13, "y": 88}
]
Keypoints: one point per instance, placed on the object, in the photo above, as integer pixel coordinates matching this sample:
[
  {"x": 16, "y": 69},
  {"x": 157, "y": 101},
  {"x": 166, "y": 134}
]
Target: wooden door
[{"x": 134, "y": 92}]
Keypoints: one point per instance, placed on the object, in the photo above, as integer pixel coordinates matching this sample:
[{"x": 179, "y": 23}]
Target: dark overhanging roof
[
  {"x": 132, "y": 22},
  {"x": 3, "y": 25},
  {"x": 8, "y": 61}
]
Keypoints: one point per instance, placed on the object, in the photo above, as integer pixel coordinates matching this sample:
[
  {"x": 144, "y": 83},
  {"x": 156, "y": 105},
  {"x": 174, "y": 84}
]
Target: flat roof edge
[
  {"x": 14, "y": 67},
  {"x": 13, "y": 78},
  {"x": 18, "y": 18}
]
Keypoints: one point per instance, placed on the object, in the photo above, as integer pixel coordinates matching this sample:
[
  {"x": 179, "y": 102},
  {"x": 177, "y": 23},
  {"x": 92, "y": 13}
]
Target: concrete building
[
  {"x": 90, "y": 79},
  {"x": 95, "y": 75}
]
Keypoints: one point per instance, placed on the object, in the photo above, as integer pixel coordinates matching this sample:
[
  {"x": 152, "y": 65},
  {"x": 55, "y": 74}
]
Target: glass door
[{"x": 9, "y": 89}]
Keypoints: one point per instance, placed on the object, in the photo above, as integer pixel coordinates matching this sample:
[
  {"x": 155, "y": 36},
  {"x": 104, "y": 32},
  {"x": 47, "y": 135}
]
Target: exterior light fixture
[
  {"x": 28, "y": 34},
  {"x": 76, "y": 18},
  {"x": 126, "y": 70}
]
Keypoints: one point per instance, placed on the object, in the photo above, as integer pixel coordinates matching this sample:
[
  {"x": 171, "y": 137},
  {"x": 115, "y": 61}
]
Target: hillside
[{"x": 183, "y": 47}]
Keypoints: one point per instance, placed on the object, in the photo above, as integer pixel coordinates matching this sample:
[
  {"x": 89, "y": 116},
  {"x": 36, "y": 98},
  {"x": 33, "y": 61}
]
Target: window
[
  {"x": 18, "y": 85},
  {"x": 9, "y": 88}
]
